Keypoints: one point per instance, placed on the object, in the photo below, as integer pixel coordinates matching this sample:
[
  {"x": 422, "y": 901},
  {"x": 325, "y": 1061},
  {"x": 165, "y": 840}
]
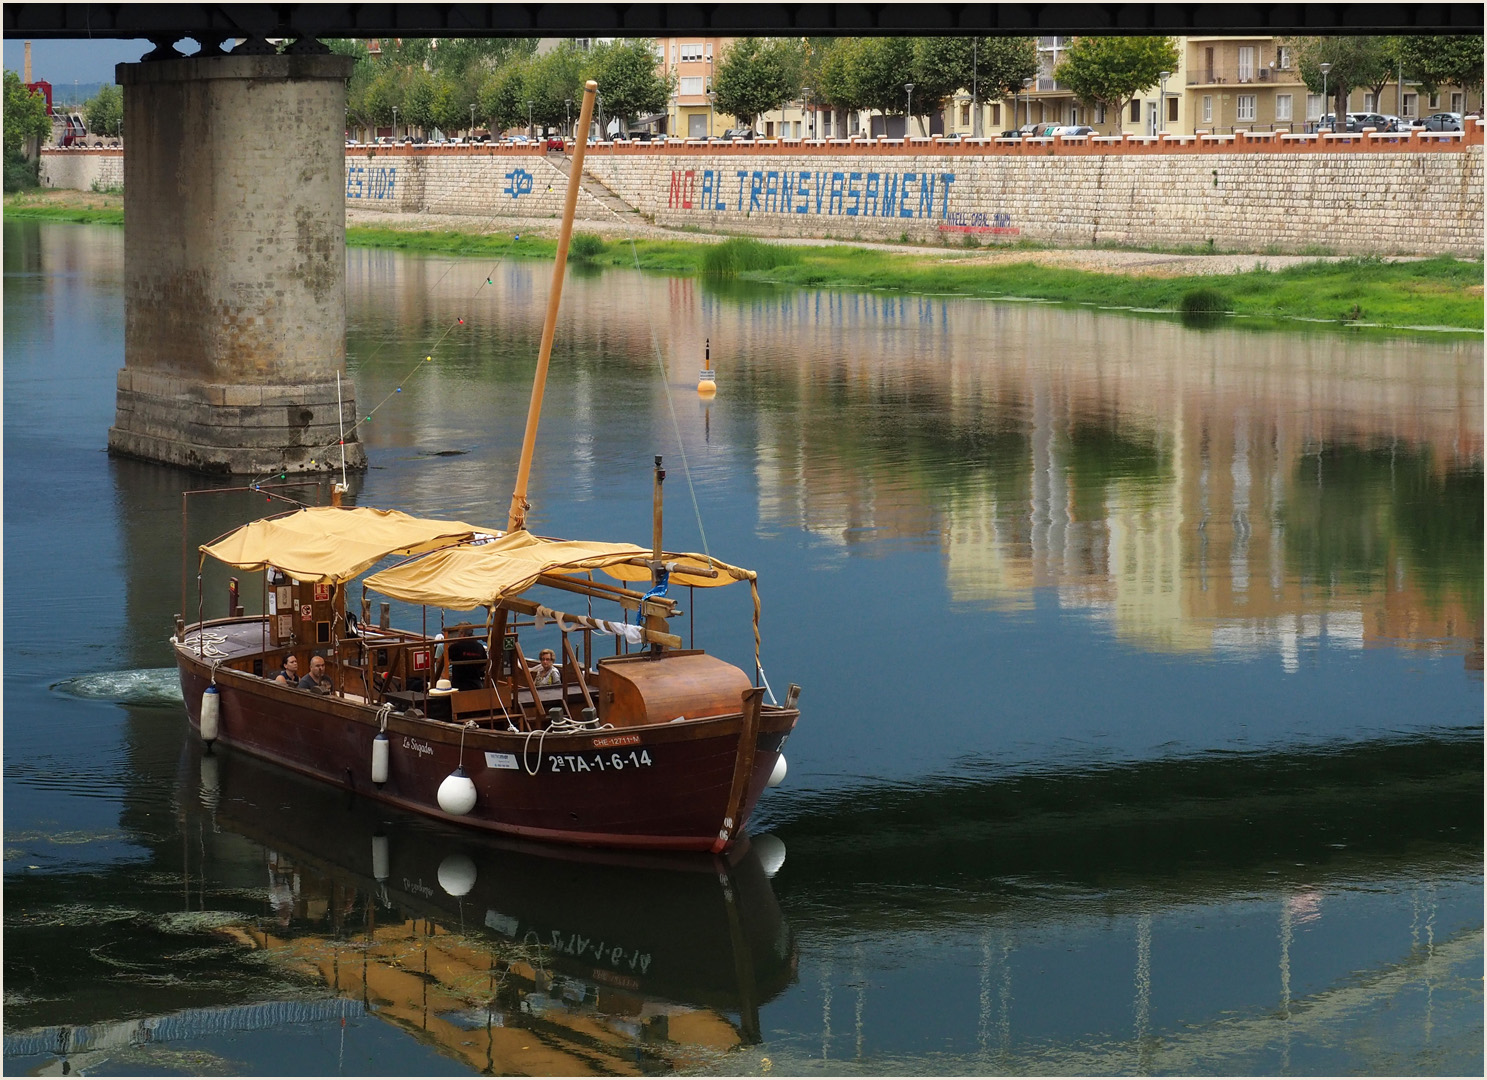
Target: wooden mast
[{"x": 516, "y": 518}]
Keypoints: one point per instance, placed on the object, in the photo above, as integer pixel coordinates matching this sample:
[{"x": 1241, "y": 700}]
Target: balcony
[{"x": 1231, "y": 74}]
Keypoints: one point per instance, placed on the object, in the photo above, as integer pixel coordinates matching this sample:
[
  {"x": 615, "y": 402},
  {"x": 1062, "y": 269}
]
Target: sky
[{"x": 61, "y": 62}]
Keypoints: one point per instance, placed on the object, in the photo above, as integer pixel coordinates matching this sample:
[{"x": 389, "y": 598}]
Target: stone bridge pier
[{"x": 235, "y": 264}]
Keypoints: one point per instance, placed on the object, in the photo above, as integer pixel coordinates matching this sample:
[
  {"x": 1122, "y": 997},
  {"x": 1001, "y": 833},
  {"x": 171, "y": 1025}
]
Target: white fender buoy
[
  {"x": 771, "y": 852},
  {"x": 379, "y": 857},
  {"x": 381, "y": 749},
  {"x": 211, "y": 705},
  {"x": 211, "y": 781},
  {"x": 777, "y": 774},
  {"x": 457, "y": 874},
  {"x": 457, "y": 793}
]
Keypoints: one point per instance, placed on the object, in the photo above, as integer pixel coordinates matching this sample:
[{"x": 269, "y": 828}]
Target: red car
[{"x": 555, "y": 142}]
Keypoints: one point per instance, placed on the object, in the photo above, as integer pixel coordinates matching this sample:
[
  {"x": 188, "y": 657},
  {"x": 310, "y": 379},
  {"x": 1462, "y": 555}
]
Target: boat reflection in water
[{"x": 508, "y": 956}]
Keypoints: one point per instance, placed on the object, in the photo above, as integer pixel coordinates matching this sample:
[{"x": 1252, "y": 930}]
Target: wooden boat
[{"x": 660, "y": 747}]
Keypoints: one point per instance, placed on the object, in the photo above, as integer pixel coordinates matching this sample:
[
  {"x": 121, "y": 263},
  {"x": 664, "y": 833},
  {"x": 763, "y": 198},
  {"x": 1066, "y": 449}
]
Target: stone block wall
[
  {"x": 83, "y": 170},
  {"x": 481, "y": 182}
]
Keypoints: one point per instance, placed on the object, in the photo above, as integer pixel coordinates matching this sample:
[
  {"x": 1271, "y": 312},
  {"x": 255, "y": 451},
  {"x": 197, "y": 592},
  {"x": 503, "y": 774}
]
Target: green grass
[
  {"x": 1204, "y": 301},
  {"x": 1439, "y": 292},
  {"x": 742, "y": 255}
]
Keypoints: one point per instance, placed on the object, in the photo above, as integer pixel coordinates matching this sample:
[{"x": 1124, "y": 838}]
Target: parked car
[
  {"x": 555, "y": 142},
  {"x": 1073, "y": 129},
  {"x": 739, "y": 133},
  {"x": 1443, "y": 121},
  {"x": 1377, "y": 121}
]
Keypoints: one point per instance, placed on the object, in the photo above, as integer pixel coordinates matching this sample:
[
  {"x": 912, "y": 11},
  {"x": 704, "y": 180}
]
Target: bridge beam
[{"x": 235, "y": 265}]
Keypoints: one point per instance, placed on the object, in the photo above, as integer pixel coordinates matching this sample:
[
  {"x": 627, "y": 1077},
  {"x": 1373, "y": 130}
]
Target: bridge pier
[{"x": 235, "y": 265}]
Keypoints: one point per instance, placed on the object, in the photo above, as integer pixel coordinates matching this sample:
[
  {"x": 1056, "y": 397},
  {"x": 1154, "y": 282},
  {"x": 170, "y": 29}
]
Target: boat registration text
[{"x": 635, "y": 759}]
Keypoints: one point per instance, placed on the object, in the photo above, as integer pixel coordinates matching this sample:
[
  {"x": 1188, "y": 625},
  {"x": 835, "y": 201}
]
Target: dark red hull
[{"x": 660, "y": 786}]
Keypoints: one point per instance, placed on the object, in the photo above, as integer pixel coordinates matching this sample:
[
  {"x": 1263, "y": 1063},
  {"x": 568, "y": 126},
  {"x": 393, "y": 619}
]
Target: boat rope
[
  {"x": 205, "y": 643},
  {"x": 383, "y": 712},
  {"x": 564, "y": 725}
]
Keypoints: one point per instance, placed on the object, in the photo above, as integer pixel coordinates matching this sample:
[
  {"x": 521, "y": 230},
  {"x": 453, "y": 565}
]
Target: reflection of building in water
[{"x": 1195, "y": 491}]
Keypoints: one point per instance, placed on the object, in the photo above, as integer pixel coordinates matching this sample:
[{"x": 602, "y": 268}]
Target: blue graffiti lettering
[
  {"x": 834, "y": 202},
  {"x": 803, "y": 189},
  {"x": 756, "y": 188},
  {"x": 889, "y": 205},
  {"x": 518, "y": 183},
  {"x": 948, "y": 178},
  {"x": 904, "y": 209},
  {"x": 772, "y": 190},
  {"x": 742, "y": 176},
  {"x": 870, "y": 195},
  {"x": 707, "y": 187},
  {"x": 854, "y": 194},
  {"x": 926, "y": 194}
]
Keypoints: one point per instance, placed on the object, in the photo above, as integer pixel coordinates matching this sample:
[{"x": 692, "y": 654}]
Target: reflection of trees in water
[{"x": 1366, "y": 515}]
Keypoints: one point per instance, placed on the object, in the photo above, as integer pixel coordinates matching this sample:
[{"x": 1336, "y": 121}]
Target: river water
[{"x": 1142, "y": 709}]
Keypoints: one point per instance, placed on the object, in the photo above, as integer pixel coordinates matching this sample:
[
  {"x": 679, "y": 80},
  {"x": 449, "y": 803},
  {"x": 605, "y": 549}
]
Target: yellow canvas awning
[
  {"x": 334, "y": 544},
  {"x": 481, "y": 575}
]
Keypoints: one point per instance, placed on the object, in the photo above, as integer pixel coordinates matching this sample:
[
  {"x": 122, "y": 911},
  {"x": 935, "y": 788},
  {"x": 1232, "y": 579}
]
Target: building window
[
  {"x": 1435, "y": 101},
  {"x": 1283, "y": 59},
  {"x": 1100, "y": 113},
  {"x": 1135, "y": 110},
  {"x": 826, "y": 124},
  {"x": 1244, "y": 108},
  {"x": 996, "y": 116},
  {"x": 1457, "y": 101},
  {"x": 1411, "y": 105},
  {"x": 691, "y": 52},
  {"x": 1172, "y": 109},
  {"x": 1368, "y": 103},
  {"x": 1313, "y": 106},
  {"x": 1208, "y": 108},
  {"x": 690, "y": 84},
  {"x": 1282, "y": 107},
  {"x": 1246, "y": 63}
]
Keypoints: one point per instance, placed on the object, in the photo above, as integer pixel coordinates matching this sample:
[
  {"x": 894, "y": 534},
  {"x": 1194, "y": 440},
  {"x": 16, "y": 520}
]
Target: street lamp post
[
  {"x": 530, "y": 133},
  {"x": 909, "y": 89},
  {"x": 394, "y": 123},
  {"x": 805, "y": 93},
  {"x": 710, "y": 94},
  {"x": 472, "y": 122},
  {"x": 1027, "y": 84},
  {"x": 1326, "y": 68},
  {"x": 568, "y": 115},
  {"x": 1163, "y": 76},
  {"x": 975, "y": 105}
]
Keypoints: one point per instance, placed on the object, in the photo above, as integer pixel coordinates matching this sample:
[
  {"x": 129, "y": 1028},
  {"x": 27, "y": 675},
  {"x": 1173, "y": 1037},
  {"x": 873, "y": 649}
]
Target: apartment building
[{"x": 691, "y": 112}]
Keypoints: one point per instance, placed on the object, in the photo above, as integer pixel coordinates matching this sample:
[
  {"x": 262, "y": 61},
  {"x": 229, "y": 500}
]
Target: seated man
[
  {"x": 545, "y": 673},
  {"x": 465, "y": 657},
  {"x": 317, "y": 682},
  {"x": 288, "y": 675}
]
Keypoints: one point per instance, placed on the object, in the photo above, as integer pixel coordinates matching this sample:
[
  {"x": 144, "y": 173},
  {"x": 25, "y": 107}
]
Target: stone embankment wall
[
  {"x": 83, "y": 170},
  {"x": 1363, "y": 194}
]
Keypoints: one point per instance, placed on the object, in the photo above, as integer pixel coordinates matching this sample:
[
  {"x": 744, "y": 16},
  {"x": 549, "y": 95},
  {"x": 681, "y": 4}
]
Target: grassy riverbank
[{"x": 1347, "y": 293}]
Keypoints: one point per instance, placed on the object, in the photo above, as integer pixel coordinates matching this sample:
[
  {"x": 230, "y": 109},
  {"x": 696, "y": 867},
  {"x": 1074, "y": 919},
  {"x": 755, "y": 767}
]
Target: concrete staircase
[{"x": 614, "y": 208}]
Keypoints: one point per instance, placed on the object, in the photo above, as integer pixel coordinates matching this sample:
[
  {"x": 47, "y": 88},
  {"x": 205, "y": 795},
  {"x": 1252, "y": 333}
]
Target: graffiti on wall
[
  {"x": 371, "y": 181},
  {"x": 910, "y": 194}
]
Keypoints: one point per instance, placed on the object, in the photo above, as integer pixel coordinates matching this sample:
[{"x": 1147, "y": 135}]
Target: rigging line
[{"x": 356, "y": 426}]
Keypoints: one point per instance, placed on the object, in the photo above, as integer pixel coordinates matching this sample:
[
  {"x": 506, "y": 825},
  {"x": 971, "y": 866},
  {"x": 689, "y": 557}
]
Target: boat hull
[{"x": 659, "y": 786}]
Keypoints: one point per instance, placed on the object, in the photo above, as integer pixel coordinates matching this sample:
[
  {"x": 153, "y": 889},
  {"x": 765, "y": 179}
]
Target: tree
[
  {"x": 25, "y": 115},
  {"x": 104, "y": 111},
  {"x": 554, "y": 84},
  {"x": 756, "y": 75},
  {"x": 1355, "y": 61},
  {"x": 996, "y": 67},
  {"x": 628, "y": 81},
  {"x": 503, "y": 98},
  {"x": 1450, "y": 60},
  {"x": 1110, "y": 71},
  {"x": 883, "y": 66},
  {"x": 837, "y": 81}
]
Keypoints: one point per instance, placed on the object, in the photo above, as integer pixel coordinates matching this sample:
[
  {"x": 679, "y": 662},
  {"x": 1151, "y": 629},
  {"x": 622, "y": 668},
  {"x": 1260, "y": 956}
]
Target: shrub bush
[
  {"x": 1205, "y": 301},
  {"x": 585, "y": 247},
  {"x": 740, "y": 255}
]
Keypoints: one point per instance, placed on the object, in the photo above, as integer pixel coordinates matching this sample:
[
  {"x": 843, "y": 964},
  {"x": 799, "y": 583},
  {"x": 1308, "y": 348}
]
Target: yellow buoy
[{"x": 707, "y": 378}]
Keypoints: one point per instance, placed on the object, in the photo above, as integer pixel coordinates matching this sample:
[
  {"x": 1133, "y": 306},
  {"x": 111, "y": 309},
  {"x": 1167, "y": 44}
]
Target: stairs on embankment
[{"x": 619, "y": 210}]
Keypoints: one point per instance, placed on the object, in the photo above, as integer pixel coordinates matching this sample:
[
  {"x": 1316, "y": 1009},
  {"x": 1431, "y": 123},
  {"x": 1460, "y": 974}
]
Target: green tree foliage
[
  {"x": 943, "y": 66},
  {"x": 628, "y": 80},
  {"x": 756, "y": 75},
  {"x": 837, "y": 71},
  {"x": 1357, "y": 62},
  {"x": 25, "y": 114},
  {"x": 503, "y": 98},
  {"x": 1448, "y": 60},
  {"x": 1110, "y": 71},
  {"x": 104, "y": 111},
  {"x": 554, "y": 85},
  {"x": 885, "y": 64}
]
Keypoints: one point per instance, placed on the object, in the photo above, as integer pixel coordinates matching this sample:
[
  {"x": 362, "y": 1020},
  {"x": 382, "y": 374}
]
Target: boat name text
[{"x": 418, "y": 746}]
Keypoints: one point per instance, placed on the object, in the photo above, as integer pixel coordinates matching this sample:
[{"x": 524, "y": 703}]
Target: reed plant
[{"x": 742, "y": 255}]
